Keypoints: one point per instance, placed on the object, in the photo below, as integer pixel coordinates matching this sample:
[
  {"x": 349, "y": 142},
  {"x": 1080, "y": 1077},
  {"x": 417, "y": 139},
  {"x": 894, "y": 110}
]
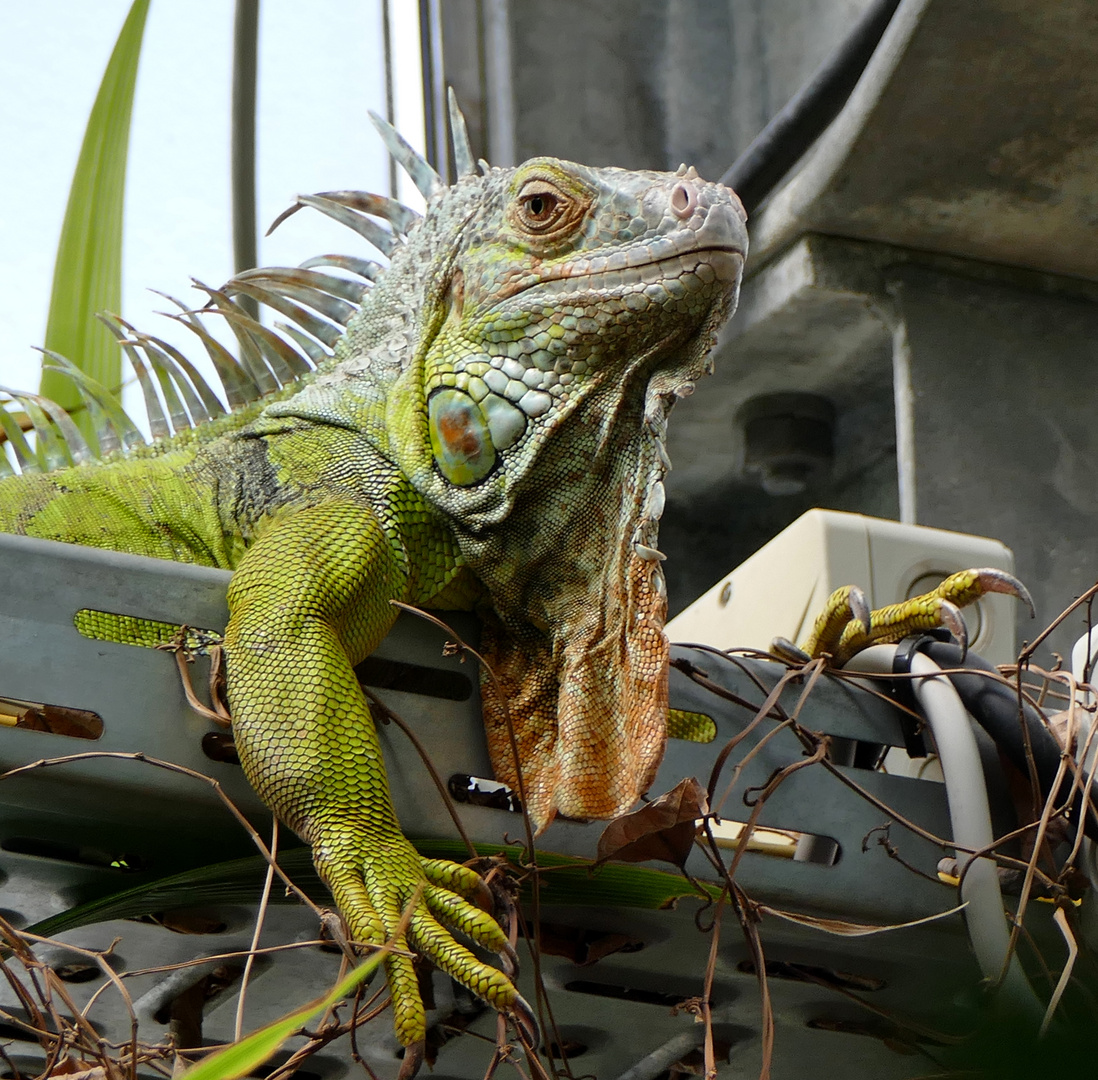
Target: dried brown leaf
[
  {"x": 74, "y": 1067},
  {"x": 581, "y": 945},
  {"x": 663, "y": 829}
]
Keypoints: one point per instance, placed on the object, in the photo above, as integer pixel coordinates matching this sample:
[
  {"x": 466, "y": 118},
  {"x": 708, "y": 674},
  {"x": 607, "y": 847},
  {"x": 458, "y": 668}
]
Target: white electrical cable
[
  {"x": 1083, "y": 657},
  {"x": 970, "y": 818}
]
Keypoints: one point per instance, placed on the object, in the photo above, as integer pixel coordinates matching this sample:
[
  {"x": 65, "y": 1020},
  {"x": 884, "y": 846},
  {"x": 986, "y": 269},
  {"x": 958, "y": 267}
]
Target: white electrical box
[{"x": 780, "y": 590}]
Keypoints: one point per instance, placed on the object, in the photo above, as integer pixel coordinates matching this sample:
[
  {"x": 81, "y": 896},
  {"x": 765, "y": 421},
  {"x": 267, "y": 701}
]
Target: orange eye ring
[{"x": 541, "y": 206}]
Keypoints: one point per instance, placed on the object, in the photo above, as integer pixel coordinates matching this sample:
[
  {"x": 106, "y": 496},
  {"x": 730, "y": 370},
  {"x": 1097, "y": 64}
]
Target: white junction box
[{"x": 779, "y": 591}]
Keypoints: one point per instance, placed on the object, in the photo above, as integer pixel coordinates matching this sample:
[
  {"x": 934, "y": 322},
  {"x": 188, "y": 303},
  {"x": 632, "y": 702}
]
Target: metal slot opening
[
  {"x": 566, "y": 1049},
  {"x": 382, "y": 674},
  {"x": 189, "y": 1002},
  {"x": 187, "y": 920},
  {"x": 52, "y": 719},
  {"x": 880, "y": 757},
  {"x": 219, "y": 746},
  {"x": 266, "y": 1070},
  {"x": 690, "y": 726},
  {"x": 582, "y": 945},
  {"x": 896, "y": 1038},
  {"x": 624, "y": 993},
  {"x": 73, "y": 853},
  {"x": 15, "y": 1033},
  {"x": 779, "y": 843},
  {"x": 477, "y": 791},
  {"x": 813, "y": 973},
  {"x": 77, "y": 971}
]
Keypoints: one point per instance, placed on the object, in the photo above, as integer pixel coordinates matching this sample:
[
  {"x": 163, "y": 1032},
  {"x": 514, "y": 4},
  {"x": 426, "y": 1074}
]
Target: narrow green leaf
[
  {"x": 566, "y": 880},
  {"x": 242, "y": 1057},
  {"x": 87, "y": 277},
  {"x": 234, "y": 882}
]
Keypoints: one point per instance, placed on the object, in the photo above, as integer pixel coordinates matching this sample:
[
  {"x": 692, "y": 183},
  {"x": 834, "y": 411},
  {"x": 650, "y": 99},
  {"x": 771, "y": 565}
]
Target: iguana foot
[
  {"x": 846, "y": 625},
  {"x": 374, "y": 879}
]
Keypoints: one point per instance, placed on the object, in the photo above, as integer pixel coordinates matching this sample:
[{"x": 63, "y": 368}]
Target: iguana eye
[
  {"x": 547, "y": 209},
  {"x": 540, "y": 206}
]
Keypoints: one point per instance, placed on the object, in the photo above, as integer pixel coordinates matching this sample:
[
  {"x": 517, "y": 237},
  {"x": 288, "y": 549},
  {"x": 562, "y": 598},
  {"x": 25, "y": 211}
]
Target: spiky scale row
[
  {"x": 464, "y": 163},
  {"x": 423, "y": 175},
  {"x": 267, "y": 363},
  {"x": 181, "y": 399}
]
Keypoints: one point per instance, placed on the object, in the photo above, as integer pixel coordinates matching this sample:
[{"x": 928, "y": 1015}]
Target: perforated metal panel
[{"x": 94, "y": 826}]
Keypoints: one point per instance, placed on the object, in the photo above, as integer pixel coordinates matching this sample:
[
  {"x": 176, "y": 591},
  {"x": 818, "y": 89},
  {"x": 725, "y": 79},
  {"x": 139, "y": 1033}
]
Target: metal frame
[{"x": 617, "y": 1008}]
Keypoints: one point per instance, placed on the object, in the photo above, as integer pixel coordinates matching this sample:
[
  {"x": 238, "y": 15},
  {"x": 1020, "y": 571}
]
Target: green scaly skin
[{"x": 415, "y": 466}]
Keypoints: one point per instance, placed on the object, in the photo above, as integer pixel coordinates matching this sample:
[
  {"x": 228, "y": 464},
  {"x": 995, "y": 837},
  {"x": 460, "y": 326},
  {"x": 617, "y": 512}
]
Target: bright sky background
[{"x": 320, "y": 69}]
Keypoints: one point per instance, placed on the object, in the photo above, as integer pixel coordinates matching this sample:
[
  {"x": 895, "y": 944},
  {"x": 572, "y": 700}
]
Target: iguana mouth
[
  {"x": 726, "y": 262},
  {"x": 693, "y": 254}
]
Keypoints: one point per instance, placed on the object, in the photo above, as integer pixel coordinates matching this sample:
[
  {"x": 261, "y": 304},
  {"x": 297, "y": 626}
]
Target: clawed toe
[
  {"x": 846, "y": 625},
  {"x": 968, "y": 585},
  {"x": 524, "y": 1020},
  {"x": 412, "y": 1061}
]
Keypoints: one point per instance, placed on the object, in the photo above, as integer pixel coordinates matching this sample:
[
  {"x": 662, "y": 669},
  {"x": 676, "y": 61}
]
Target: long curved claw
[
  {"x": 859, "y": 606},
  {"x": 412, "y": 1061},
  {"x": 509, "y": 960},
  {"x": 523, "y": 1018},
  {"x": 845, "y": 607},
  {"x": 784, "y": 649},
  {"x": 846, "y": 626},
  {"x": 968, "y": 585},
  {"x": 949, "y": 616}
]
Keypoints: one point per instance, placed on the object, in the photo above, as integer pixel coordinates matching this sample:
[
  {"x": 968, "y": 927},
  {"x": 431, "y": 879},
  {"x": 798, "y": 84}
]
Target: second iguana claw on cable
[{"x": 846, "y": 625}]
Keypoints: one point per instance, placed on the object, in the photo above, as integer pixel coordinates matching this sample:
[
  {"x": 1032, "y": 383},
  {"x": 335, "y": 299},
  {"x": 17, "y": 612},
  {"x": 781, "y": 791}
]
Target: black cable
[
  {"x": 779, "y": 146},
  {"x": 995, "y": 708}
]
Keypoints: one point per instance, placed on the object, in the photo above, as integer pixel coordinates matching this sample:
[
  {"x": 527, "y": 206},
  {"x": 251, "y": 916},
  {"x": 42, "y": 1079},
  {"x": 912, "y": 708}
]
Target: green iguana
[{"x": 487, "y": 435}]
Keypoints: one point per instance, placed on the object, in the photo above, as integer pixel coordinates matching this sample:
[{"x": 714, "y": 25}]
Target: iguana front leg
[{"x": 308, "y": 601}]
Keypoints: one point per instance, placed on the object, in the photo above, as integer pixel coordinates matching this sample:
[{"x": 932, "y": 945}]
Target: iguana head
[
  {"x": 545, "y": 318},
  {"x": 554, "y": 284}
]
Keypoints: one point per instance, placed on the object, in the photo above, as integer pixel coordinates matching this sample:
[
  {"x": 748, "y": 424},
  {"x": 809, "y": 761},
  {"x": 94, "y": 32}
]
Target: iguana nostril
[{"x": 683, "y": 200}]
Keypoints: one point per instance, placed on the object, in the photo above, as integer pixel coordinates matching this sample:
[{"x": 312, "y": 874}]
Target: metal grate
[{"x": 98, "y": 825}]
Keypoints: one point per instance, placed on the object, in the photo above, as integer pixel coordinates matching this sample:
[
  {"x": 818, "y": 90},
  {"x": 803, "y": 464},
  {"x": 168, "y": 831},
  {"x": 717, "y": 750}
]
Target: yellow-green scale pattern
[
  {"x": 147, "y": 633},
  {"x": 318, "y": 554}
]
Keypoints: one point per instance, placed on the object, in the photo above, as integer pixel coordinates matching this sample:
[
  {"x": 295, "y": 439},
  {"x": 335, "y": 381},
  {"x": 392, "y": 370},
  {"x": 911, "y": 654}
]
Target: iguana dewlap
[{"x": 489, "y": 434}]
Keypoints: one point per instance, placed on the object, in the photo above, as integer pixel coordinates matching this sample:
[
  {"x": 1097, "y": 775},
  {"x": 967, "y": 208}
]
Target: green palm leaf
[
  {"x": 244, "y": 1057},
  {"x": 87, "y": 277}
]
